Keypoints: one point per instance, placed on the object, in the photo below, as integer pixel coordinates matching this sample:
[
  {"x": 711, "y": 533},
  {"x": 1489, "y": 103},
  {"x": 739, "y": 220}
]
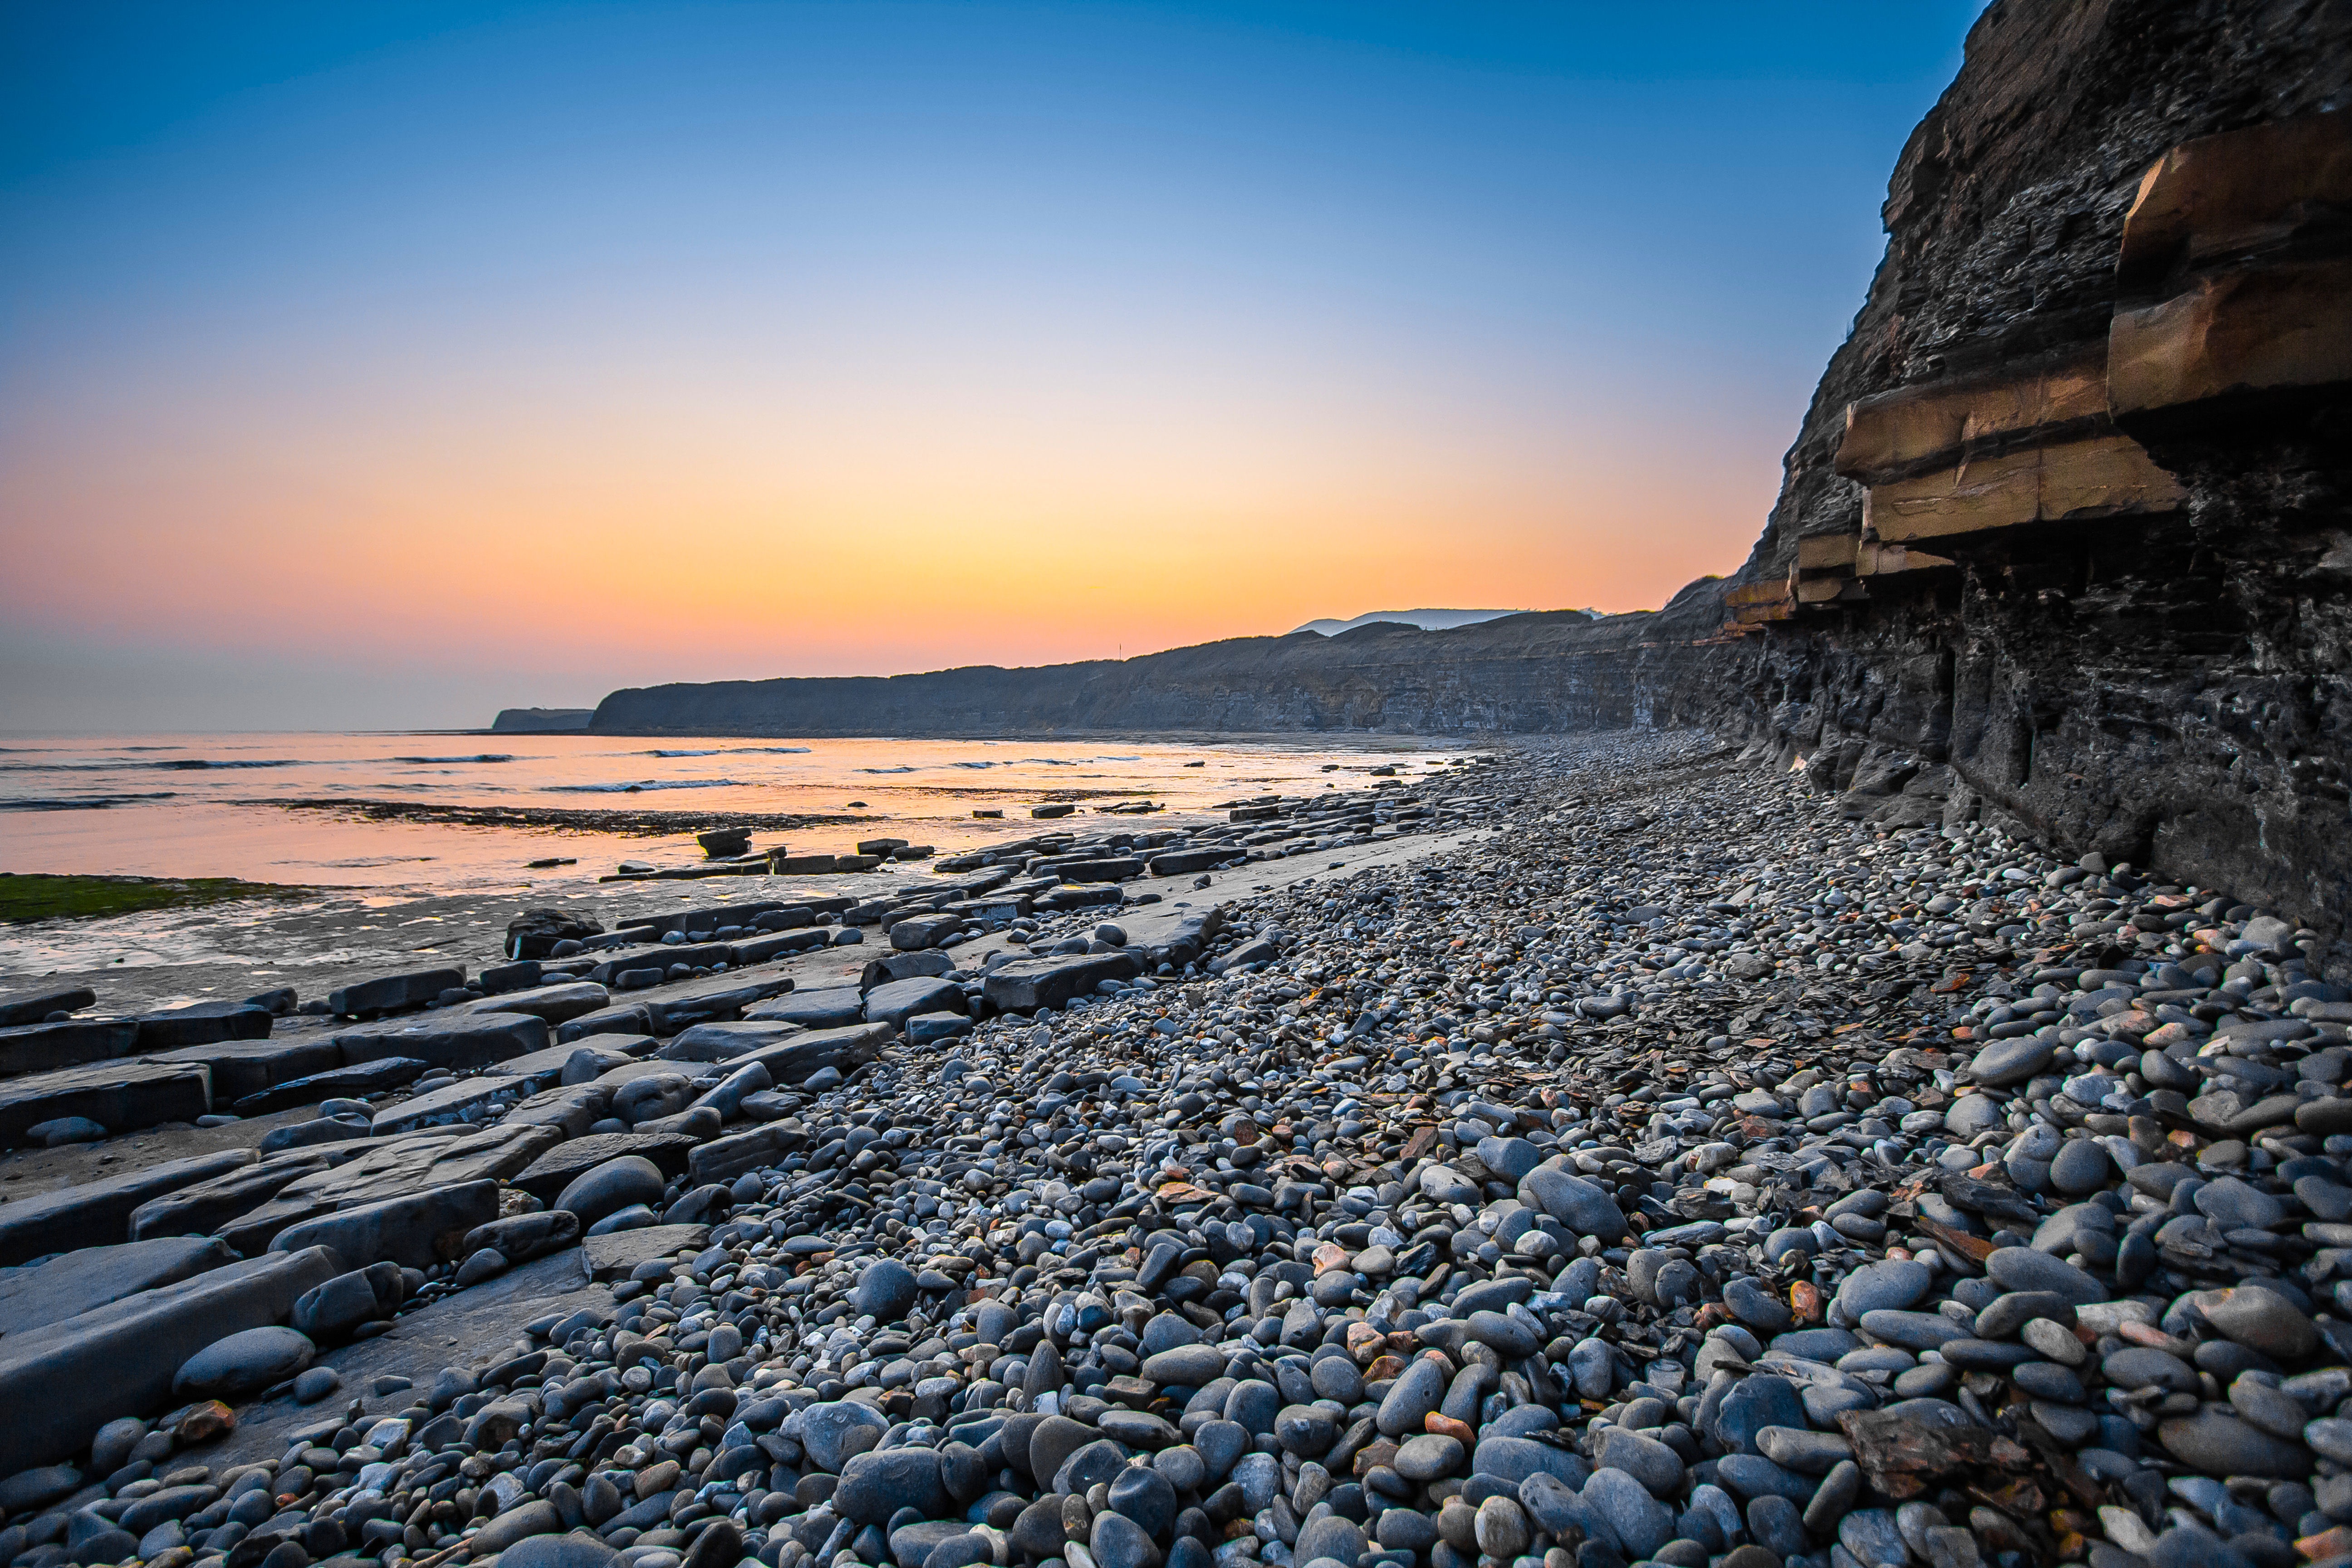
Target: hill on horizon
[{"x": 1427, "y": 620}]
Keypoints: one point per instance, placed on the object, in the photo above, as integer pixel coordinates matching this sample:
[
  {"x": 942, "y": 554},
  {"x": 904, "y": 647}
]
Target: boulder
[
  {"x": 610, "y": 1187},
  {"x": 523, "y": 1237},
  {"x": 546, "y": 1177},
  {"x": 330, "y": 1311},
  {"x": 534, "y": 932},
  {"x": 244, "y": 1363}
]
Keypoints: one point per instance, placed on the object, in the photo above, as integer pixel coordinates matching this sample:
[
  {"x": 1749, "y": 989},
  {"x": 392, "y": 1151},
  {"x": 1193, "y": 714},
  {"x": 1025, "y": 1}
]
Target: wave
[
  {"x": 899, "y": 770},
  {"x": 176, "y": 764},
  {"x": 734, "y": 751},
  {"x": 484, "y": 757},
  {"x": 644, "y": 784},
  {"x": 83, "y": 803}
]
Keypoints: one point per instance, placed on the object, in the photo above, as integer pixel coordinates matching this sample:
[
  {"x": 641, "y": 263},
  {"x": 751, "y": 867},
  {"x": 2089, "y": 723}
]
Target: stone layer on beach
[{"x": 1621, "y": 1156}]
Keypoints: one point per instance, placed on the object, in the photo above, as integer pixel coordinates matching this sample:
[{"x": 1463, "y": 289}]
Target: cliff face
[
  {"x": 2065, "y": 539},
  {"x": 2063, "y": 542},
  {"x": 1544, "y": 672}
]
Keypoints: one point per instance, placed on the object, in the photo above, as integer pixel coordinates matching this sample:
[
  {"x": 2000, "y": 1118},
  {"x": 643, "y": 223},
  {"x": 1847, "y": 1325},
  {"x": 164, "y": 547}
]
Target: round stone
[
  {"x": 2080, "y": 1168},
  {"x": 2022, "y": 1268},
  {"x": 1502, "y": 1528},
  {"x": 316, "y": 1384},
  {"x": 1428, "y": 1457},
  {"x": 1891, "y": 1286},
  {"x": 1146, "y": 1496},
  {"x": 2007, "y": 1063},
  {"x": 885, "y": 1292},
  {"x": 243, "y": 1364},
  {"x": 2220, "y": 1445},
  {"x": 610, "y": 1187},
  {"x": 2261, "y": 1321}
]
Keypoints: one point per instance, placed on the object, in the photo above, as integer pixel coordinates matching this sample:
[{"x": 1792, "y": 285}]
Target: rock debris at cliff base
[{"x": 1677, "y": 1172}]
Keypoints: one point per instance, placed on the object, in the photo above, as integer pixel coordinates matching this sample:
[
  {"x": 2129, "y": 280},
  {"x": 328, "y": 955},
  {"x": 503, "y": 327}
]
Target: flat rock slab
[
  {"x": 395, "y": 1169},
  {"x": 656, "y": 955},
  {"x": 547, "y": 1176},
  {"x": 378, "y": 1077},
  {"x": 202, "y": 1024},
  {"x": 34, "y": 1004},
  {"x": 62, "y": 1382},
  {"x": 897, "y": 1001},
  {"x": 629, "y": 1019},
  {"x": 95, "y": 1213},
  {"x": 724, "y": 1042},
  {"x": 200, "y": 1209},
  {"x": 242, "y": 1068},
  {"x": 414, "y": 1230},
  {"x": 711, "y": 999},
  {"x": 607, "y": 1256},
  {"x": 794, "y": 1059},
  {"x": 556, "y": 1004},
  {"x": 119, "y": 1096},
  {"x": 36, "y": 1048},
  {"x": 827, "y": 1009},
  {"x": 779, "y": 944},
  {"x": 76, "y": 1282},
  {"x": 391, "y": 992},
  {"x": 1026, "y": 985},
  {"x": 543, "y": 1067},
  {"x": 449, "y": 1039},
  {"x": 570, "y": 1107},
  {"x": 449, "y": 1102}
]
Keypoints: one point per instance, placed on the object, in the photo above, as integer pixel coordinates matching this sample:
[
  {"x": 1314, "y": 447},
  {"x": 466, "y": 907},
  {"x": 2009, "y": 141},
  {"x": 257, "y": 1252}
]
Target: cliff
[
  {"x": 2064, "y": 539},
  {"x": 540, "y": 720},
  {"x": 1560, "y": 670}
]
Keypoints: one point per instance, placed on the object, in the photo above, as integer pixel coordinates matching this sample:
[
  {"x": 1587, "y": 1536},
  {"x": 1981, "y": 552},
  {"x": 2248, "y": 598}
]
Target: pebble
[{"x": 1571, "y": 1181}]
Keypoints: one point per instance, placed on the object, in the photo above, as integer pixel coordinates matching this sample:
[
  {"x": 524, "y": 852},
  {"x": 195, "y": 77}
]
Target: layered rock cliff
[
  {"x": 2065, "y": 539},
  {"x": 1560, "y": 670}
]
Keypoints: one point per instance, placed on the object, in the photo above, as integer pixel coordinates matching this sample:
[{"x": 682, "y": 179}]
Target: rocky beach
[
  {"x": 1851, "y": 1069},
  {"x": 1621, "y": 1155}
]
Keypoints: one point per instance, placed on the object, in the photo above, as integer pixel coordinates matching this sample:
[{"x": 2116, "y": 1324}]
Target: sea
[{"x": 427, "y": 812}]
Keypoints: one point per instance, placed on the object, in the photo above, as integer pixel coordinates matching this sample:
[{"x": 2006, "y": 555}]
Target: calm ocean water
[{"x": 200, "y": 806}]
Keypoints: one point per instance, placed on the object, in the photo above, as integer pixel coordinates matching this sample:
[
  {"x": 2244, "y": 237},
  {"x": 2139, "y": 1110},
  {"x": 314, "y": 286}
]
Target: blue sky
[{"x": 367, "y": 315}]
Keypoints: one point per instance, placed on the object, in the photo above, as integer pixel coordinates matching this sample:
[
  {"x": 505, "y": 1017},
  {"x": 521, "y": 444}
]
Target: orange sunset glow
[{"x": 840, "y": 351}]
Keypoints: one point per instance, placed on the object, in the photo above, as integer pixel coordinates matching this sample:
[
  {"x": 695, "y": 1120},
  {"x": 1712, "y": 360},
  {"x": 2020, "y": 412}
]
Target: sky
[{"x": 376, "y": 365}]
